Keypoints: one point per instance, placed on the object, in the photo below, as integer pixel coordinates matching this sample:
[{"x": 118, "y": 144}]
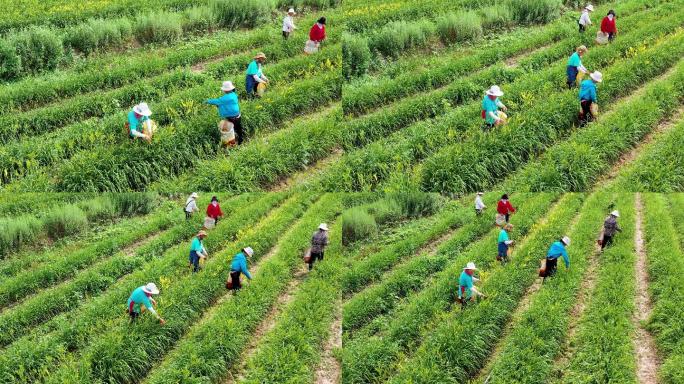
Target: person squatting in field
[
  {"x": 141, "y": 299},
  {"x": 557, "y": 250},
  {"x": 255, "y": 75},
  {"x": 490, "y": 107},
  {"x": 608, "y": 25},
  {"x": 214, "y": 210},
  {"x": 197, "y": 251},
  {"x": 319, "y": 241},
  {"x": 466, "y": 285},
  {"x": 239, "y": 266},
  {"x": 139, "y": 115}
]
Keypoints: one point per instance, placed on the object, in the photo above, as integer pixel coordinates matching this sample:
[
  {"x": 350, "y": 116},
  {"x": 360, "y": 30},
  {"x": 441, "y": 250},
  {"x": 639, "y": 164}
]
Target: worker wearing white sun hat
[
  {"x": 491, "y": 105},
  {"x": 229, "y": 112},
  {"x": 288, "y": 23},
  {"x": 588, "y": 98},
  {"x": 479, "y": 204},
  {"x": 584, "y": 20},
  {"x": 319, "y": 241},
  {"x": 239, "y": 266},
  {"x": 136, "y": 117},
  {"x": 466, "y": 284},
  {"x": 140, "y": 299},
  {"x": 610, "y": 228},
  {"x": 557, "y": 250}
]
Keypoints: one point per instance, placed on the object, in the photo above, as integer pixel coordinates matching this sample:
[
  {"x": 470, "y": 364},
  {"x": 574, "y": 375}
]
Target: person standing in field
[
  {"x": 255, "y": 75},
  {"x": 610, "y": 228},
  {"x": 197, "y": 251},
  {"x": 608, "y": 25},
  {"x": 239, "y": 266},
  {"x": 584, "y": 20},
  {"x": 504, "y": 209},
  {"x": 557, "y": 250},
  {"x": 588, "y": 98},
  {"x": 575, "y": 66},
  {"x": 288, "y": 23},
  {"x": 479, "y": 204},
  {"x": 319, "y": 241},
  {"x": 137, "y": 117},
  {"x": 503, "y": 242},
  {"x": 141, "y": 299},
  {"x": 466, "y": 285},
  {"x": 229, "y": 112},
  {"x": 190, "y": 205},
  {"x": 490, "y": 107},
  {"x": 214, "y": 210}
]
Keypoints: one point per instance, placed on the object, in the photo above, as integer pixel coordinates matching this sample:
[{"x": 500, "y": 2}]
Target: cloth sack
[
  {"x": 209, "y": 222},
  {"x": 503, "y": 116},
  {"x": 542, "y": 268},
  {"x": 601, "y": 38},
  {"x": 500, "y": 219},
  {"x": 149, "y": 127},
  {"x": 307, "y": 256},
  {"x": 594, "y": 109},
  {"x": 261, "y": 89},
  {"x": 311, "y": 47},
  {"x": 227, "y": 131}
]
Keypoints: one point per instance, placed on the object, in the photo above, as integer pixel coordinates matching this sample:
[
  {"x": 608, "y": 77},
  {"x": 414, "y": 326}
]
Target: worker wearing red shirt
[
  {"x": 608, "y": 25},
  {"x": 504, "y": 207},
  {"x": 317, "y": 32},
  {"x": 214, "y": 209}
]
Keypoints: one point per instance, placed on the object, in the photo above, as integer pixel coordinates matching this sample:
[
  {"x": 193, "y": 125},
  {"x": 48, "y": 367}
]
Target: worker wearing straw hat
[
  {"x": 466, "y": 285},
  {"x": 140, "y": 299},
  {"x": 575, "y": 65},
  {"x": 491, "y": 105},
  {"x": 238, "y": 266},
  {"x": 479, "y": 204},
  {"x": 197, "y": 250},
  {"x": 288, "y": 23},
  {"x": 136, "y": 118},
  {"x": 584, "y": 20},
  {"x": 191, "y": 205},
  {"x": 557, "y": 250},
  {"x": 588, "y": 98},
  {"x": 229, "y": 112},
  {"x": 503, "y": 242},
  {"x": 255, "y": 75},
  {"x": 319, "y": 241},
  {"x": 610, "y": 228}
]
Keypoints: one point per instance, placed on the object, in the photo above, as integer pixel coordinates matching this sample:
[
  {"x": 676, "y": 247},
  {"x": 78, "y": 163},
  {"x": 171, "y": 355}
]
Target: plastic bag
[
  {"x": 227, "y": 131},
  {"x": 310, "y": 47},
  {"x": 601, "y": 38},
  {"x": 307, "y": 256},
  {"x": 149, "y": 127},
  {"x": 542, "y": 268},
  {"x": 261, "y": 89},
  {"x": 209, "y": 222}
]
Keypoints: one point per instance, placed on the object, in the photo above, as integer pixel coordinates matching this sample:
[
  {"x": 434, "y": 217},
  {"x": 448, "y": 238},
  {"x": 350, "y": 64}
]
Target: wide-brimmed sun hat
[
  {"x": 566, "y": 240},
  {"x": 227, "y": 86},
  {"x": 480, "y": 193},
  {"x": 151, "y": 288},
  {"x": 194, "y": 195},
  {"x": 201, "y": 233},
  {"x": 292, "y": 11},
  {"x": 589, "y": 8},
  {"x": 470, "y": 265},
  {"x": 323, "y": 226},
  {"x": 260, "y": 55},
  {"x": 142, "y": 109},
  {"x": 495, "y": 91},
  {"x": 596, "y": 76},
  {"x": 615, "y": 213},
  {"x": 249, "y": 251}
]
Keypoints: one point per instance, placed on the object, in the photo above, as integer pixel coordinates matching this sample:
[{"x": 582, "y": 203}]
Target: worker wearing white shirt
[
  {"x": 191, "y": 205},
  {"x": 479, "y": 205},
  {"x": 584, "y": 20},
  {"x": 288, "y": 23}
]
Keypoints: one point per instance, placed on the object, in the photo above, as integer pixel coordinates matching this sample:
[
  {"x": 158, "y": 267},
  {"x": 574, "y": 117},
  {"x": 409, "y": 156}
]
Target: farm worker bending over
[
  {"x": 466, "y": 285},
  {"x": 608, "y": 25},
  {"x": 255, "y": 76},
  {"x": 504, "y": 209},
  {"x": 140, "y": 299},
  {"x": 319, "y": 241},
  {"x": 557, "y": 250},
  {"x": 197, "y": 250},
  {"x": 288, "y": 23},
  {"x": 317, "y": 31},
  {"x": 588, "y": 99},
  {"x": 491, "y": 105},
  {"x": 239, "y": 265},
  {"x": 191, "y": 205},
  {"x": 504, "y": 242},
  {"x": 139, "y": 115},
  {"x": 214, "y": 209},
  {"x": 575, "y": 65},
  {"x": 229, "y": 111},
  {"x": 584, "y": 20},
  {"x": 479, "y": 205},
  {"x": 610, "y": 227}
]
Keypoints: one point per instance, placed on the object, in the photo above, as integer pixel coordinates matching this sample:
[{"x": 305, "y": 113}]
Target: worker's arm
[
  {"x": 257, "y": 79},
  {"x": 501, "y": 105},
  {"x": 593, "y": 95},
  {"x": 477, "y": 292},
  {"x": 494, "y": 116},
  {"x": 243, "y": 267},
  {"x": 566, "y": 258},
  {"x": 216, "y": 102},
  {"x": 582, "y": 68}
]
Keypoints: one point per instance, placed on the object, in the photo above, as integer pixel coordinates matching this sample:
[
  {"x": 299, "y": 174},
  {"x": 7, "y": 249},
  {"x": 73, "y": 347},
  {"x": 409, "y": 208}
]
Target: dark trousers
[
  {"x": 607, "y": 240},
  {"x": 286, "y": 35},
  {"x": 478, "y": 212},
  {"x": 502, "y": 252},
  {"x": 572, "y": 75},
  {"x": 508, "y": 216},
  {"x": 188, "y": 215},
  {"x": 250, "y": 86},
  {"x": 551, "y": 267},
  {"x": 235, "y": 278},
  {"x": 237, "y": 126},
  {"x": 611, "y": 36},
  {"x": 581, "y": 27},
  {"x": 585, "y": 115},
  {"x": 194, "y": 261},
  {"x": 315, "y": 256},
  {"x": 134, "y": 315}
]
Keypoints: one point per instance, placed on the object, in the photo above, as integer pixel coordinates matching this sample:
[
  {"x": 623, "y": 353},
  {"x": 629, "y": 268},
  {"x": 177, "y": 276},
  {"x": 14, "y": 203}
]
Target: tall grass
[
  {"x": 397, "y": 36},
  {"x": 459, "y": 27},
  {"x": 38, "y": 48},
  {"x": 199, "y": 19},
  {"x": 134, "y": 203},
  {"x": 357, "y": 224},
  {"x": 15, "y": 231},
  {"x": 99, "y": 209},
  {"x": 356, "y": 56},
  {"x": 64, "y": 221},
  {"x": 233, "y": 14},
  {"x": 416, "y": 203},
  {"x": 495, "y": 17},
  {"x": 10, "y": 62},
  {"x": 534, "y": 11},
  {"x": 158, "y": 27},
  {"x": 98, "y": 34}
]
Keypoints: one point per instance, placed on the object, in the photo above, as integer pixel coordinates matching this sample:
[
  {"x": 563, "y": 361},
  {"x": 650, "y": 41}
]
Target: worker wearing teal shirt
[
  {"x": 255, "y": 74},
  {"x": 229, "y": 109},
  {"x": 239, "y": 265},
  {"x": 491, "y": 105},
  {"x": 587, "y": 96},
  {"x": 557, "y": 250},
  {"x": 197, "y": 250},
  {"x": 136, "y": 117},
  {"x": 142, "y": 298},
  {"x": 503, "y": 242},
  {"x": 466, "y": 284},
  {"x": 575, "y": 65}
]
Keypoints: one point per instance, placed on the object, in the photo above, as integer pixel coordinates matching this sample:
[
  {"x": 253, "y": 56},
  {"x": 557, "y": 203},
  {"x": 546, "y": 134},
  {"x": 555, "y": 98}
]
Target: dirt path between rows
[
  {"x": 513, "y": 61},
  {"x": 647, "y": 358},
  {"x": 308, "y": 173},
  {"x": 329, "y": 370}
]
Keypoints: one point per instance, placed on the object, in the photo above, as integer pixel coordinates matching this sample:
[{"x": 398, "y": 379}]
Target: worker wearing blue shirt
[
  {"x": 587, "y": 96},
  {"x": 229, "y": 109},
  {"x": 239, "y": 265},
  {"x": 466, "y": 285},
  {"x": 557, "y": 250},
  {"x": 136, "y": 117}
]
